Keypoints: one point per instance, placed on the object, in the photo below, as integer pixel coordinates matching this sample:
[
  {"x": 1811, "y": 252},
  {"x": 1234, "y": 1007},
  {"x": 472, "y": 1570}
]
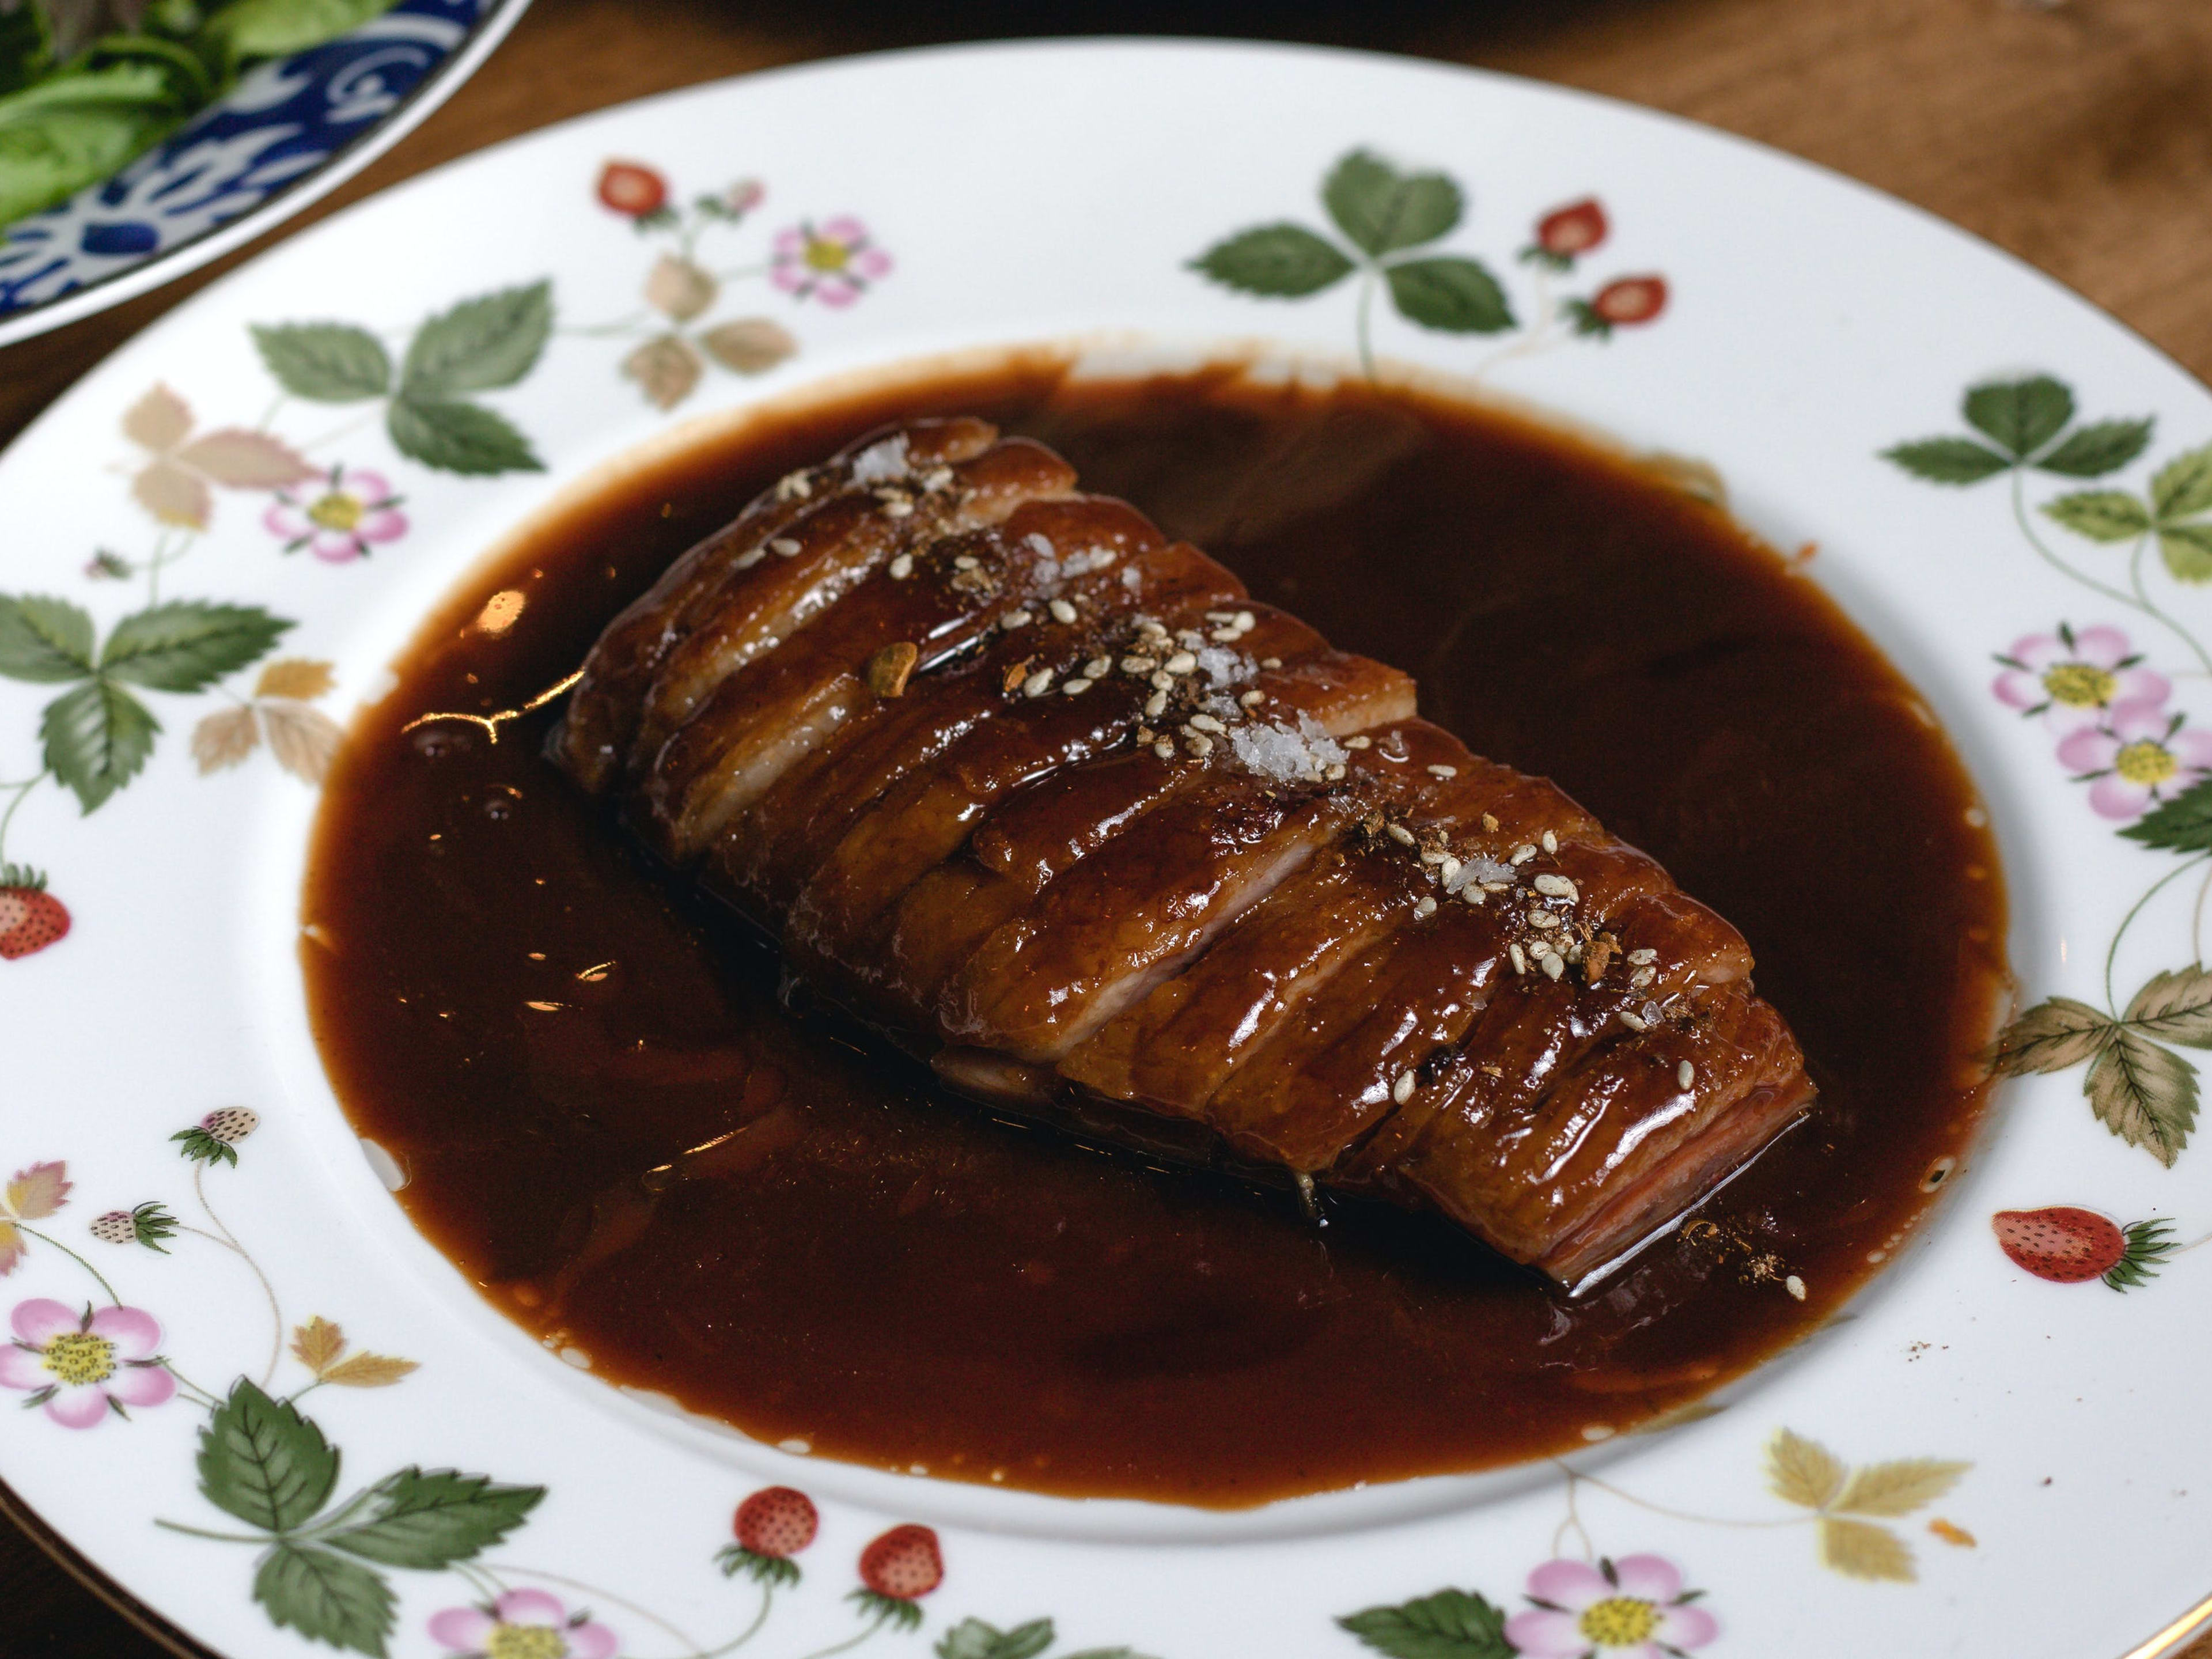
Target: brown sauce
[{"x": 534, "y": 1022}]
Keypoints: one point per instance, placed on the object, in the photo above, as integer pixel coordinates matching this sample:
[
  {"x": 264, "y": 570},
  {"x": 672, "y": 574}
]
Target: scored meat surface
[{"x": 1052, "y": 801}]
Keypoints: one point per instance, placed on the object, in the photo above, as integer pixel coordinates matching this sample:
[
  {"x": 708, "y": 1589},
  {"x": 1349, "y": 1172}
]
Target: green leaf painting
[
  {"x": 480, "y": 345},
  {"x": 1382, "y": 210},
  {"x": 460, "y": 437},
  {"x": 263, "y": 1462},
  {"x": 46, "y": 642},
  {"x": 1392, "y": 219},
  {"x": 187, "y": 644},
  {"x": 483, "y": 344},
  {"x": 326, "y": 363},
  {"x": 1275, "y": 262},
  {"x": 2183, "y": 825},
  {"x": 2024, "y": 423},
  {"x": 431, "y": 1520},
  {"x": 95, "y": 740},
  {"x": 1451, "y": 1624},
  {"x": 325, "y": 1597},
  {"x": 1457, "y": 296},
  {"x": 97, "y": 736}
]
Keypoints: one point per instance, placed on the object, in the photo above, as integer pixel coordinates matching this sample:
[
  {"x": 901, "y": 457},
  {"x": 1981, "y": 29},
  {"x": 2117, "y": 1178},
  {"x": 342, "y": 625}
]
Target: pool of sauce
[{"x": 538, "y": 1026}]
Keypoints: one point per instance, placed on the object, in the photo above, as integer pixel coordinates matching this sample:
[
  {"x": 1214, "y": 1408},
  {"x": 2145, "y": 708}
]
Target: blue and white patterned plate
[{"x": 289, "y": 132}]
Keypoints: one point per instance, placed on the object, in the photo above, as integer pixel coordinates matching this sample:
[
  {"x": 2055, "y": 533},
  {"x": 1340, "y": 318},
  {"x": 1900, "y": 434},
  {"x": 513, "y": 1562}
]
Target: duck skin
[{"x": 1050, "y": 800}]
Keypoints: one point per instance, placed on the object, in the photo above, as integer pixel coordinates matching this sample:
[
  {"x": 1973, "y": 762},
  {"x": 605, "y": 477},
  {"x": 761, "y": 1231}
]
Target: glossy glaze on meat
[{"x": 1048, "y": 799}]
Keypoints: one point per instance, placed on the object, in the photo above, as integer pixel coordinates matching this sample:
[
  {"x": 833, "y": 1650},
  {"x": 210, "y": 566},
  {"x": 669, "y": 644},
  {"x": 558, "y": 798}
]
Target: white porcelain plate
[{"x": 1999, "y": 1454}]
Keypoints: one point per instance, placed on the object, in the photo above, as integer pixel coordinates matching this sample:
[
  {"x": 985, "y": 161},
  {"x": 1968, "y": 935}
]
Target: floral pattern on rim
[
  {"x": 834, "y": 261},
  {"x": 2148, "y": 768},
  {"x": 83, "y": 1367},
  {"x": 523, "y": 1623},
  {"x": 1393, "y": 218},
  {"x": 2071, "y": 679},
  {"x": 1632, "y": 1608},
  {"x": 2140, "y": 756},
  {"x": 353, "y": 511},
  {"x": 676, "y": 335}
]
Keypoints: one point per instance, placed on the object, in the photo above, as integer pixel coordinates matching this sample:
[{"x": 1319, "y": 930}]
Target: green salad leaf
[{"x": 87, "y": 86}]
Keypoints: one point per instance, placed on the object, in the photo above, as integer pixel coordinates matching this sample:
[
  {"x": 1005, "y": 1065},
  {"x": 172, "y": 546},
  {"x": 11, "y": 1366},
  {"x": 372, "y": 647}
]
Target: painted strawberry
[
  {"x": 1623, "y": 303},
  {"x": 772, "y": 1525},
  {"x": 631, "y": 189},
  {"x": 215, "y": 1138},
  {"x": 2067, "y": 1245},
  {"x": 31, "y": 917},
  {"x": 1574, "y": 229},
  {"x": 899, "y": 1568}
]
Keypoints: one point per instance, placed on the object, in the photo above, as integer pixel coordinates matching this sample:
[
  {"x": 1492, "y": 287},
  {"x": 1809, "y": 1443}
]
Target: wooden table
[{"x": 2076, "y": 133}]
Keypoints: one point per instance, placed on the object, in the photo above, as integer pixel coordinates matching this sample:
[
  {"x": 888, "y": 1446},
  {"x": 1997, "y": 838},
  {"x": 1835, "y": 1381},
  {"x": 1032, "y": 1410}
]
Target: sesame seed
[
  {"x": 1632, "y": 1022},
  {"x": 1558, "y": 887},
  {"x": 1520, "y": 962},
  {"x": 886, "y": 671},
  {"x": 1796, "y": 1286},
  {"x": 1140, "y": 664},
  {"x": 1245, "y": 621},
  {"x": 1163, "y": 681},
  {"x": 1643, "y": 976},
  {"x": 1400, "y": 833},
  {"x": 1199, "y": 744},
  {"x": 1543, "y": 919},
  {"x": 1014, "y": 619},
  {"x": 1271, "y": 662},
  {"x": 1206, "y": 723},
  {"x": 1358, "y": 743},
  {"x": 1182, "y": 663},
  {"x": 1038, "y": 684},
  {"x": 1097, "y": 668},
  {"x": 1490, "y": 823},
  {"x": 1443, "y": 771},
  {"x": 1427, "y": 907},
  {"x": 1155, "y": 704},
  {"x": 1449, "y": 868},
  {"x": 1251, "y": 699},
  {"x": 793, "y": 484},
  {"x": 1473, "y": 893},
  {"x": 1497, "y": 887},
  {"x": 1164, "y": 749},
  {"x": 1223, "y": 635},
  {"x": 1077, "y": 687},
  {"x": 1062, "y": 611},
  {"x": 1553, "y": 967},
  {"x": 902, "y": 567},
  {"x": 1433, "y": 856},
  {"x": 1551, "y": 841},
  {"x": 749, "y": 558},
  {"x": 1221, "y": 616},
  {"x": 899, "y": 507},
  {"x": 1522, "y": 854},
  {"x": 1685, "y": 1074},
  {"x": 1335, "y": 774},
  {"x": 1640, "y": 956},
  {"x": 966, "y": 561},
  {"x": 1403, "y": 1090}
]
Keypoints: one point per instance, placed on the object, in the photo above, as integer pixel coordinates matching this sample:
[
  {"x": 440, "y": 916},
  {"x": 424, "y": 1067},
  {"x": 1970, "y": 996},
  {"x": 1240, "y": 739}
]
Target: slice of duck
[
  {"x": 597, "y": 736},
  {"x": 1102, "y": 556}
]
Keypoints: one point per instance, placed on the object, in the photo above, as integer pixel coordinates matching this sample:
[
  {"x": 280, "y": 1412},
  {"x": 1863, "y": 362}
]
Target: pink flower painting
[
  {"x": 1631, "y": 1608},
  {"x": 832, "y": 261},
  {"x": 523, "y": 1623},
  {"x": 352, "y": 511},
  {"x": 2071, "y": 678},
  {"x": 2141, "y": 755},
  {"x": 84, "y": 1368}
]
